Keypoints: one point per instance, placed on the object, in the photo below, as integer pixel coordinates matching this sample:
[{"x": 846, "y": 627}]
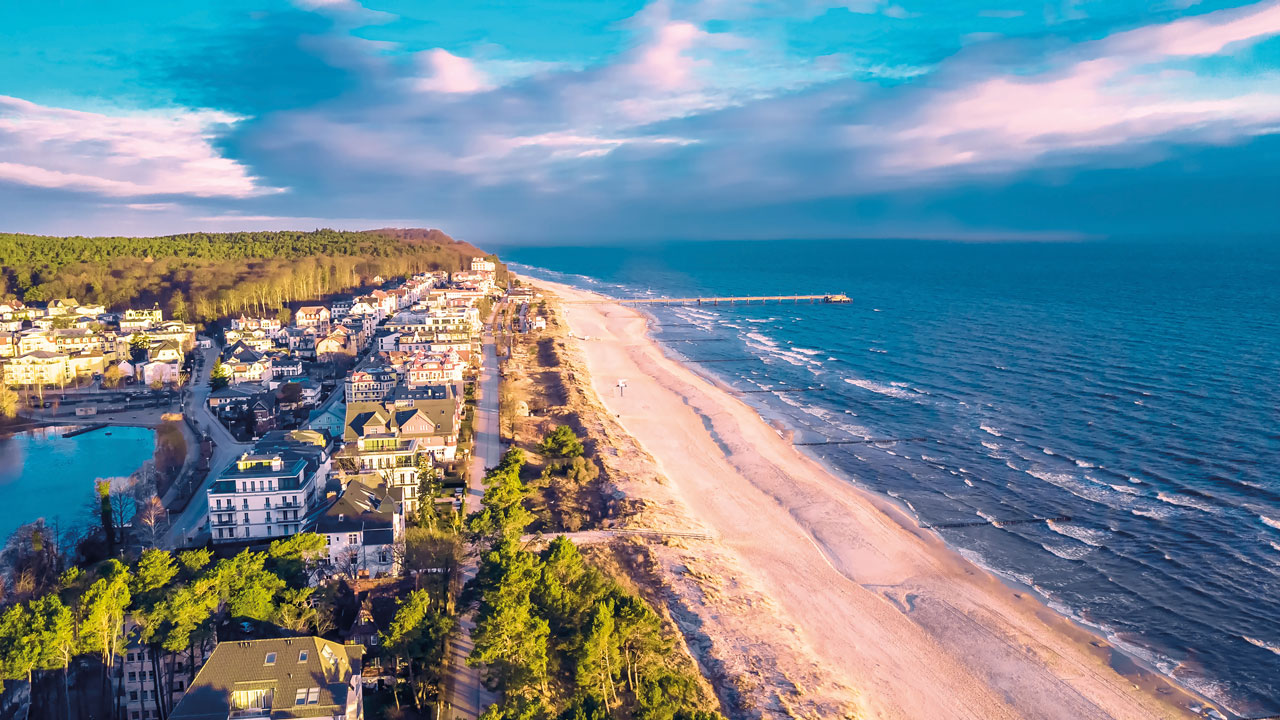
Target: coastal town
[{"x": 340, "y": 430}]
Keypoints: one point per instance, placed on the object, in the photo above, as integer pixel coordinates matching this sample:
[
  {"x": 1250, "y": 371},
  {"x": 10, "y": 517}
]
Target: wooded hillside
[{"x": 203, "y": 276}]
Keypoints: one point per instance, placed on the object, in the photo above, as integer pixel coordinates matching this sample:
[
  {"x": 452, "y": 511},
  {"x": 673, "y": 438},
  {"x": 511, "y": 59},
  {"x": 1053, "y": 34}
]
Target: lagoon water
[
  {"x": 1131, "y": 386},
  {"x": 43, "y": 474}
]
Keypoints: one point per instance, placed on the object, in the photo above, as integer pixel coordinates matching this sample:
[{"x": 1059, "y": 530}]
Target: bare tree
[{"x": 151, "y": 521}]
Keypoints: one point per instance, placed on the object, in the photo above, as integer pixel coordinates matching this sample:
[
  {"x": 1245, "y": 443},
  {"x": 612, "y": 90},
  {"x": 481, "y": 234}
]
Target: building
[
  {"x": 364, "y": 532},
  {"x": 370, "y": 384},
  {"x": 138, "y": 680},
  {"x": 382, "y": 457},
  {"x": 267, "y": 494},
  {"x": 312, "y": 316},
  {"x": 38, "y": 368},
  {"x": 134, "y": 320},
  {"x": 302, "y": 677},
  {"x": 242, "y": 323},
  {"x": 435, "y": 422},
  {"x": 245, "y": 364}
]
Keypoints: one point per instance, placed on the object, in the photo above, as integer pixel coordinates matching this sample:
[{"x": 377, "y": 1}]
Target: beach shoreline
[{"x": 983, "y": 645}]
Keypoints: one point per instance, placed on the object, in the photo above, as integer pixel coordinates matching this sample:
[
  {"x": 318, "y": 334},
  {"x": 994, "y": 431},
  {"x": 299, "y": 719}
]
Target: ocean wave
[
  {"x": 877, "y": 350},
  {"x": 1069, "y": 552},
  {"x": 1126, "y": 489},
  {"x": 762, "y": 339},
  {"x": 879, "y": 389},
  {"x": 1266, "y": 520},
  {"x": 1186, "y": 501},
  {"x": 1088, "y": 536},
  {"x": 1264, "y": 645},
  {"x": 1084, "y": 464},
  {"x": 990, "y": 445},
  {"x": 1153, "y": 514},
  {"x": 990, "y": 430},
  {"x": 1090, "y": 492},
  {"x": 806, "y": 351},
  {"x": 1046, "y": 451}
]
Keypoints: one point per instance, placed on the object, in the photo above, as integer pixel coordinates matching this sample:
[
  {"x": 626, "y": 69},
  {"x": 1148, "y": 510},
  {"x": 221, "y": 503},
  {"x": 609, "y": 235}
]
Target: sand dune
[{"x": 830, "y": 589}]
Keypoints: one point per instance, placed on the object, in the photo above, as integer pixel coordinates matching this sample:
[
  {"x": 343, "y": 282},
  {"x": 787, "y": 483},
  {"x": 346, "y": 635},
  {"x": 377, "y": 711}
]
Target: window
[
  {"x": 268, "y": 527},
  {"x": 177, "y": 685},
  {"x": 136, "y": 715},
  {"x": 313, "y": 696},
  {"x": 246, "y": 504},
  {"x": 266, "y": 502},
  {"x": 271, "y": 659},
  {"x": 302, "y": 656},
  {"x": 352, "y": 539},
  {"x": 133, "y": 694},
  {"x": 247, "y": 699},
  {"x": 301, "y": 697},
  {"x": 246, "y": 519}
]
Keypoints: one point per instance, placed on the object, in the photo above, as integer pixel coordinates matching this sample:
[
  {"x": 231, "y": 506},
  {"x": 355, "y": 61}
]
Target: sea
[{"x": 1130, "y": 386}]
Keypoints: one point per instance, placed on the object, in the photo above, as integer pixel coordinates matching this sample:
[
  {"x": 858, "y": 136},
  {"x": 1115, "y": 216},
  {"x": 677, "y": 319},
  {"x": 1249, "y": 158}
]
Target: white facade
[{"x": 263, "y": 497}]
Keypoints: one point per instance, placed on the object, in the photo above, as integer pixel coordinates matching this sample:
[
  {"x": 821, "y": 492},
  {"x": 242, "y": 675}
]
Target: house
[
  {"x": 282, "y": 367},
  {"x": 242, "y": 323},
  {"x": 277, "y": 679},
  {"x": 312, "y": 316},
  {"x": 364, "y": 532},
  {"x": 165, "y": 351},
  {"x": 310, "y": 390},
  {"x": 76, "y": 340},
  {"x": 373, "y": 383},
  {"x": 539, "y": 323},
  {"x": 134, "y": 320},
  {"x": 245, "y": 364},
  {"x": 265, "y": 495},
  {"x": 60, "y": 307},
  {"x": 433, "y": 421},
  {"x": 264, "y": 407},
  {"x": 329, "y": 420},
  {"x": 8, "y": 344},
  {"x": 37, "y": 341},
  {"x": 340, "y": 307},
  {"x": 231, "y": 400}
]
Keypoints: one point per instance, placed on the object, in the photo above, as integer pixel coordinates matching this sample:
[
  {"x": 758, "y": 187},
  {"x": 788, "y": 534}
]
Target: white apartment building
[{"x": 264, "y": 496}]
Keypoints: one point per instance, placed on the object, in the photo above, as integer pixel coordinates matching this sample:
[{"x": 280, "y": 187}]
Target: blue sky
[{"x": 542, "y": 121}]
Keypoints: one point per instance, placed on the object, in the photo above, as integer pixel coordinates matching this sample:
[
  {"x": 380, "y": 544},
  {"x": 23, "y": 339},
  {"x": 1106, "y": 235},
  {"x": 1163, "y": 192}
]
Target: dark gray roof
[
  {"x": 359, "y": 508},
  {"x": 299, "y": 666}
]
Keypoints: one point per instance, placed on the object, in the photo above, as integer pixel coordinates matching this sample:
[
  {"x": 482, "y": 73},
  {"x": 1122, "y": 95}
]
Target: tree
[
  {"x": 139, "y": 348},
  {"x": 292, "y": 557},
  {"x": 562, "y": 443},
  {"x": 598, "y": 655},
  {"x": 8, "y": 402},
  {"x": 284, "y": 315},
  {"x": 107, "y": 515},
  {"x": 155, "y": 570},
  {"x": 582, "y": 471},
  {"x": 417, "y": 632},
  {"x": 112, "y": 376},
  {"x": 220, "y": 376},
  {"x": 429, "y": 488},
  {"x": 502, "y": 514},
  {"x": 510, "y": 639}
]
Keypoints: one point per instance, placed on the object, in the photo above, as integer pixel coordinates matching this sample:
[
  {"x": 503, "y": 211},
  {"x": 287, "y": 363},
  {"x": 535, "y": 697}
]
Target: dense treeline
[
  {"x": 170, "y": 603},
  {"x": 561, "y": 639},
  {"x": 204, "y": 276}
]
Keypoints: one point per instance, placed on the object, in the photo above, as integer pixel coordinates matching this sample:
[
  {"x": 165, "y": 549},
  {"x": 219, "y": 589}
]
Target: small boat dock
[{"x": 731, "y": 300}]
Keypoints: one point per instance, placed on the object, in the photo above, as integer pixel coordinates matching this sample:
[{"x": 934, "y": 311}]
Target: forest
[{"x": 198, "y": 277}]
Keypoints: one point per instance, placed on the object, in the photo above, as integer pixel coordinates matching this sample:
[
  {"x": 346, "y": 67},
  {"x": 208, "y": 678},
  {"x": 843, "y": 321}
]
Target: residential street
[
  {"x": 188, "y": 527},
  {"x": 465, "y": 695}
]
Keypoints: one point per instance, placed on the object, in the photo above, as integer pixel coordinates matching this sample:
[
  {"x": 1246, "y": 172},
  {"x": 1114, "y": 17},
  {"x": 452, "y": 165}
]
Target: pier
[
  {"x": 83, "y": 430},
  {"x": 734, "y": 299}
]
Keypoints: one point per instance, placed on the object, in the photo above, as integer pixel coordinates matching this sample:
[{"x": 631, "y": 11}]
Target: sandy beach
[{"x": 814, "y": 598}]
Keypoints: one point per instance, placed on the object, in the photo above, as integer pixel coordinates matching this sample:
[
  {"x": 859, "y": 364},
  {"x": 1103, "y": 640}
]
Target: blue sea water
[
  {"x": 44, "y": 475},
  {"x": 1131, "y": 386}
]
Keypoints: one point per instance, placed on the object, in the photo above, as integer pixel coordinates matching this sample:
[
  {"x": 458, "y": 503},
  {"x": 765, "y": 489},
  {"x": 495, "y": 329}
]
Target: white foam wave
[
  {"x": 1084, "y": 464},
  {"x": 1067, "y": 552},
  {"x": 1266, "y": 520},
  {"x": 877, "y": 350},
  {"x": 806, "y": 351},
  {"x": 968, "y": 482},
  {"x": 1088, "y": 536},
  {"x": 1135, "y": 481},
  {"x": 1187, "y": 501},
  {"x": 1046, "y": 451},
  {"x": 1126, "y": 489},
  {"x": 880, "y": 389},
  {"x": 762, "y": 339},
  {"x": 990, "y": 445},
  {"x": 1153, "y": 514},
  {"x": 1273, "y": 647},
  {"x": 990, "y": 430},
  {"x": 1093, "y": 493}
]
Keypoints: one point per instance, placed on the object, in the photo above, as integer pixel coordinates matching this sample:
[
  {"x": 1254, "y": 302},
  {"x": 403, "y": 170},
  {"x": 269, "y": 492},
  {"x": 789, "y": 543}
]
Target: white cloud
[
  {"x": 124, "y": 155},
  {"x": 450, "y": 74}
]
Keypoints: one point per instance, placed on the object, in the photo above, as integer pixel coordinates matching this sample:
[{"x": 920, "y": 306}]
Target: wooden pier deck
[{"x": 731, "y": 300}]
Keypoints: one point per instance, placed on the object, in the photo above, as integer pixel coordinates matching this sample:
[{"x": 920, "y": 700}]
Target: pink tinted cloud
[
  {"x": 146, "y": 153},
  {"x": 1106, "y": 100},
  {"x": 450, "y": 74}
]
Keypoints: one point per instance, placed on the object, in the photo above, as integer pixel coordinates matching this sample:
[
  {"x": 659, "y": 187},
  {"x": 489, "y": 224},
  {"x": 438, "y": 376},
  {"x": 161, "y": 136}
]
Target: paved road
[
  {"x": 465, "y": 695},
  {"x": 189, "y": 528}
]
